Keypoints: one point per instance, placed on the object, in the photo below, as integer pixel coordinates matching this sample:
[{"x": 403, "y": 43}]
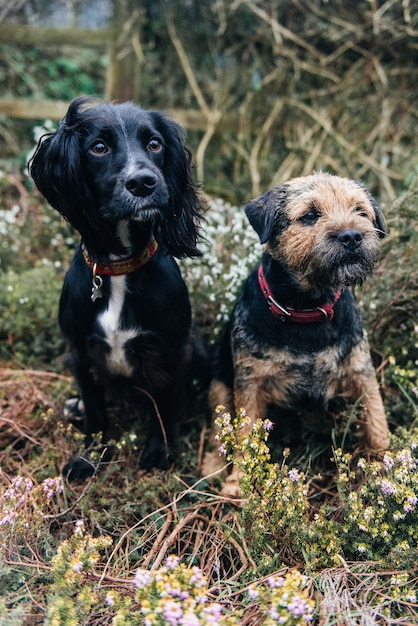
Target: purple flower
[
  {"x": 387, "y": 488},
  {"x": 172, "y": 561},
  {"x": 275, "y": 582},
  {"x": 213, "y": 612},
  {"x": 189, "y": 619},
  {"x": 52, "y": 486},
  {"x": 388, "y": 462},
  {"x": 222, "y": 449},
  {"x": 268, "y": 425},
  {"x": 198, "y": 579},
  {"x": 409, "y": 506},
  {"x": 172, "y": 612},
  {"x": 143, "y": 577},
  {"x": 175, "y": 592},
  {"x": 7, "y": 519},
  {"x": 294, "y": 475},
  {"x": 77, "y": 567}
]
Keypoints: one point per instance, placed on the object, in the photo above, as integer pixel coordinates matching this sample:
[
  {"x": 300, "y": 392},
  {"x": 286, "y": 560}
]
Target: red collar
[
  {"x": 121, "y": 266},
  {"x": 322, "y": 313}
]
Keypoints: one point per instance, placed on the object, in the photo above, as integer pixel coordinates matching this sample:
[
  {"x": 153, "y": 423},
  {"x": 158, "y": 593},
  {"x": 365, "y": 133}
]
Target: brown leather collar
[
  {"x": 323, "y": 313},
  {"x": 121, "y": 266}
]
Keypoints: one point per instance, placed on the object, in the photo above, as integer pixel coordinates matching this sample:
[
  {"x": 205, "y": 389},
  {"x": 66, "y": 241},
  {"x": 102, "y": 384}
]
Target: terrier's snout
[
  {"x": 142, "y": 183},
  {"x": 350, "y": 238}
]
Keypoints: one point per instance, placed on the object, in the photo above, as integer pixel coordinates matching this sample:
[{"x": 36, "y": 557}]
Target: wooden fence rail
[
  {"x": 27, "y": 108},
  {"x": 117, "y": 86}
]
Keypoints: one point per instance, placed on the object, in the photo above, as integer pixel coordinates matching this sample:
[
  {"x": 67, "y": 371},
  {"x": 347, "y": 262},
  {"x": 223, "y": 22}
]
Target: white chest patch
[{"x": 109, "y": 320}]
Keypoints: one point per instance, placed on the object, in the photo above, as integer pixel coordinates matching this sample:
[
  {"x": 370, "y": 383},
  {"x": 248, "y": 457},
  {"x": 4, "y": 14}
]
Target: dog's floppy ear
[
  {"x": 264, "y": 212},
  {"x": 56, "y": 166},
  {"x": 379, "y": 223},
  {"x": 179, "y": 231},
  {"x": 380, "y": 220}
]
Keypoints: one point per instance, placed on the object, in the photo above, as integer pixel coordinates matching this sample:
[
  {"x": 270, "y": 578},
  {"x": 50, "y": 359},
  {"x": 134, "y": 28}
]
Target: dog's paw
[
  {"x": 79, "y": 467},
  {"x": 231, "y": 488},
  {"x": 156, "y": 456},
  {"x": 74, "y": 411}
]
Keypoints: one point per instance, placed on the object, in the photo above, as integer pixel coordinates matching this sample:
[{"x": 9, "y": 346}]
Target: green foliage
[
  {"x": 390, "y": 308},
  {"x": 374, "y": 516},
  {"x": 51, "y": 72},
  {"x": 71, "y": 599},
  {"x": 29, "y": 329}
]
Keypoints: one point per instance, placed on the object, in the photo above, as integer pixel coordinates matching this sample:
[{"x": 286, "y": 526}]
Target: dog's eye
[
  {"x": 310, "y": 217},
  {"x": 99, "y": 147},
  {"x": 155, "y": 144},
  {"x": 360, "y": 211}
]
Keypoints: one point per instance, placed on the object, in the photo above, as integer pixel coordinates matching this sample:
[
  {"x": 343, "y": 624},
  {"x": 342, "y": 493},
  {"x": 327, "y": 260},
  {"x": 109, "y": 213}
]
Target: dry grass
[{"x": 152, "y": 516}]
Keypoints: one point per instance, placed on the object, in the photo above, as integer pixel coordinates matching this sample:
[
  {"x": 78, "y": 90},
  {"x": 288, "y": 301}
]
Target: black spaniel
[{"x": 121, "y": 176}]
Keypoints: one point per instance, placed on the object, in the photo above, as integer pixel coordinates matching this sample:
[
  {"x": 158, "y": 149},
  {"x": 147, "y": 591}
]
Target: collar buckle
[
  {"x": 324, "y": 313},
  {"x": 273, "y": 304}
]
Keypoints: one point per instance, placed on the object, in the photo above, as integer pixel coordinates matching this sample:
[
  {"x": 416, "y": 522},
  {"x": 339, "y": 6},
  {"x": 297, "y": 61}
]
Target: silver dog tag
[{"x": 96, "y": 290}]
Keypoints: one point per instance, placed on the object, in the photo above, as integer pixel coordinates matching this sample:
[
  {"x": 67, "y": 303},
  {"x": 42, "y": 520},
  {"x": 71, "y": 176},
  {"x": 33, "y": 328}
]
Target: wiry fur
[
  {"x": 120, "y": 175},
  {"x": 321, "y": 234}
]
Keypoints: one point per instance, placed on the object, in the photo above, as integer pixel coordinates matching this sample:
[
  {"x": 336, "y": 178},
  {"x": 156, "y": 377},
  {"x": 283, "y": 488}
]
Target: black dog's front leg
[
  {"x": 95, "y": 420},
  {"x": 159, "y": 450}
]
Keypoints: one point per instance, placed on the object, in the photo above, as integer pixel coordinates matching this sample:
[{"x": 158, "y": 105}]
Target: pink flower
[
  {"x": 387, "y": 488},
  {"x": 172, "y": 561},
  {"x": 294, "y": 475},
  {"x": 172, "y": 612},
  {"x": 143, "y": 577}
]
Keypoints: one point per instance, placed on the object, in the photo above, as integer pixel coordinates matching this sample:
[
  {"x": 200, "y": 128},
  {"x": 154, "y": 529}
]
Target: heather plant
[
  {"x": 284, "y": 599},
  {"x": 380, "y": 505},
  {"x": 24, "y": 510},
  {"x": 172, "y": 594},
  {"x": 373, "y": 516},
  {"x": 230, "y": 250},
  {"x": 74, "y": 592},
  {"x": 276, "y": 495}
]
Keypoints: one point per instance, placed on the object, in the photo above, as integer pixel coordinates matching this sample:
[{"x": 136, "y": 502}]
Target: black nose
[
  {"x": 350, "y": 238},
  {"x": 141, "y": 183}
]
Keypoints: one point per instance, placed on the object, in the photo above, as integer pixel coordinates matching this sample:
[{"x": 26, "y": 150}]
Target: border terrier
[{"x": 296, "y": 339}]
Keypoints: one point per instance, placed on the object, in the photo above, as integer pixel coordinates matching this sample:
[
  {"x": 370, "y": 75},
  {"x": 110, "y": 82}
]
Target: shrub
[
  {"x": 230, "y": 250},
  {"x": 172, "y": 594},
  {"x": 29, "y": 330},
  {"x": 374, "y": 515}
]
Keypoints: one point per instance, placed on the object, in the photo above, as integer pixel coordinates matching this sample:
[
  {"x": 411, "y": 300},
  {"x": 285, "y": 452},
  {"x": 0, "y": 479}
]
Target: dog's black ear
[
  {"x": 264, "y": 213},
  {"x": 379, "y": 223},
  {"x": 380, "y": 220},
  {"x": 56, "y": 166},
  {"x": 179, "y": 231}
]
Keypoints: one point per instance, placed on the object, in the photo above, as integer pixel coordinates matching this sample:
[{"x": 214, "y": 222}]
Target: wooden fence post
[{"x": 123, "y": 77}]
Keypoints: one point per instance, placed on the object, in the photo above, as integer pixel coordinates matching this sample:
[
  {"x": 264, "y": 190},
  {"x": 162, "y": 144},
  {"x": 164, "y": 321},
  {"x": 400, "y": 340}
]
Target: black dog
[{"x": 122, "y": 177}]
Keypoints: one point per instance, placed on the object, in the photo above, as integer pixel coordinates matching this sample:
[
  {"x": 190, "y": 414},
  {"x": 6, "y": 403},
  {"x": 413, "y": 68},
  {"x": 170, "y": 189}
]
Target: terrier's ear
[
  {"x": 379, "y": 221},
  {"x": 264, "y": 212}
]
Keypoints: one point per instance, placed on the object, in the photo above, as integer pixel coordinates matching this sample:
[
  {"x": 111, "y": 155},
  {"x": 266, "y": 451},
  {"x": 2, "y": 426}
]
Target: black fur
[{"x": 120, "y": 174}]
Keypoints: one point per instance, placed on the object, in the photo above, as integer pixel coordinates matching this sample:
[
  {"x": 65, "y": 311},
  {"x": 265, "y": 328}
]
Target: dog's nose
[
  {"x": 141, "y": 183},
  {"x": 350, "y": 238}
]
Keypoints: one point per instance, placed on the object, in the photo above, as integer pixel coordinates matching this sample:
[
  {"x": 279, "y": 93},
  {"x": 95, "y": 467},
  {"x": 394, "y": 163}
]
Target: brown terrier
[{"x": 296, "y": 338}]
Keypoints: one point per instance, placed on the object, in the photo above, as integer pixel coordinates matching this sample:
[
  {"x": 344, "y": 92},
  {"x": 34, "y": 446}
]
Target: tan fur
[{"x": 342, "y": 204}]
